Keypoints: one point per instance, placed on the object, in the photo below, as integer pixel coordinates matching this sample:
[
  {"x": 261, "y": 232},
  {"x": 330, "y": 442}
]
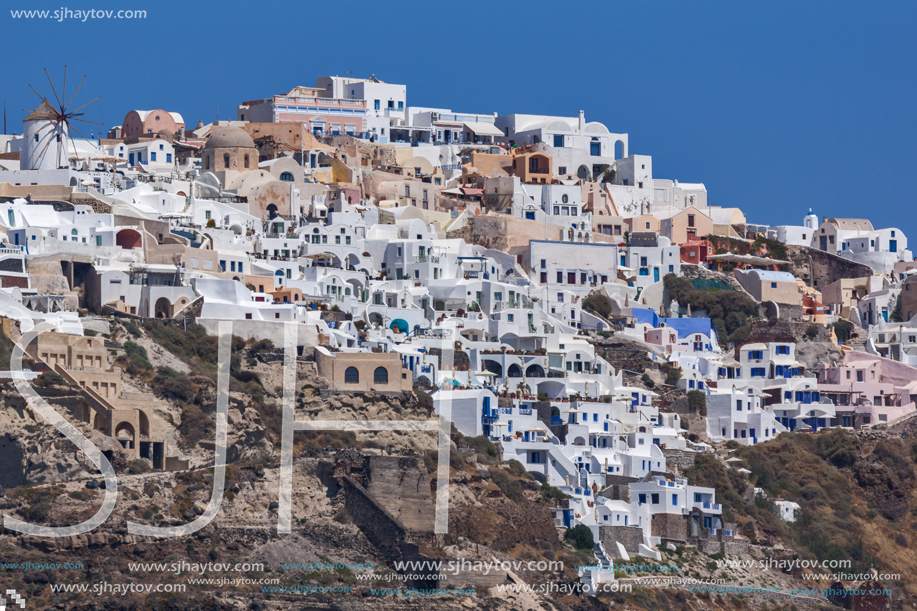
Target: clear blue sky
[{"x": 775, "y": 106}]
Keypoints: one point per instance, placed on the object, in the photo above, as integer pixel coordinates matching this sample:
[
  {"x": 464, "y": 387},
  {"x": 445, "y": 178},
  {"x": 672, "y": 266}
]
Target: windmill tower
[
  {"x": 47, "y": 130},
  {"x": 45, "y": 142}
]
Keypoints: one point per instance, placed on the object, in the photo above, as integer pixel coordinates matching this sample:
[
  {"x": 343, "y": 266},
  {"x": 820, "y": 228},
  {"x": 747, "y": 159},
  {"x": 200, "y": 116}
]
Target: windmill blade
[
  {"x": 76, "y": 130},
  {"x": 75, "y": 153},
  {"x": 84, "y": 121},
  {"x": 63, "y": 93},
  {"x": 86, "y": 104},
  {"x": 61, "y": 106},
  {"x": 38, "y": 94},
  {"x": 77, "y": 91}
]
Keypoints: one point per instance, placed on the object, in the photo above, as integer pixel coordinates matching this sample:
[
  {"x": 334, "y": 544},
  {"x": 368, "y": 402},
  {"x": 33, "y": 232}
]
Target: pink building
[
  {"x": 323, "y": 116},
  {"x": 868, "y": 390},
  {"x": 139, "y": 123}
]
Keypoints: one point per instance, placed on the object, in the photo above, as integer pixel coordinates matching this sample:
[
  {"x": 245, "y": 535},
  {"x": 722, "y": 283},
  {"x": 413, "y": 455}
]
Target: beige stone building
[{"x": 363, "y": 371}]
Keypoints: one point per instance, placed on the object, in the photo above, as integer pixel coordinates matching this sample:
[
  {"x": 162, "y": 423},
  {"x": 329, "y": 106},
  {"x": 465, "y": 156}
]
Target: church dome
[{"x": 229, "y": 137}]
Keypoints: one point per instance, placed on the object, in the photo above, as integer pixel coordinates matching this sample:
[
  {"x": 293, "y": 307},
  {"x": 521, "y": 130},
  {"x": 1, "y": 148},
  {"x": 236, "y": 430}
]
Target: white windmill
[{"x": 47, "y": 130}]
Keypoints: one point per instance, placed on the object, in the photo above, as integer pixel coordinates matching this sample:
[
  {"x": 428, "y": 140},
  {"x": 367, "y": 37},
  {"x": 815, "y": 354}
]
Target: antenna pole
[{"x": 4, "y": 117}]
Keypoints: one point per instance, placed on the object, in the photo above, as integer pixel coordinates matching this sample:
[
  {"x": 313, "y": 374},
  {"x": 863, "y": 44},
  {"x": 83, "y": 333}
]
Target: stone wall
[
  {"x": 670, "y": 526},
  {"x": 12, "y": 264},
  {"x": 682, "y": 458},
  {"x": 401, "y": 485},
  {"x": 379, "y": 526},
  {"x": 783, "y": 331},
  {"x": 625, "y": 356},
  {"x": 629, "y": 536},
  {"x": 616, "y": 492},
  {"x": 818, "y": 269}
]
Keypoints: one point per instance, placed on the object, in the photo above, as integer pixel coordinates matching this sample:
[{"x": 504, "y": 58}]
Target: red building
[{"x": 696, "y": 250}]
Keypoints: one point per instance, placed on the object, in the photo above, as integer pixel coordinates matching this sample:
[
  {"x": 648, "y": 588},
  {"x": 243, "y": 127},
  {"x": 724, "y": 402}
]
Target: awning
[{"x": 484, "y": 129}]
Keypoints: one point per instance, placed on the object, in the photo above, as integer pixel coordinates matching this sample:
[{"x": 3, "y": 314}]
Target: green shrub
[
  {"x": 137, "y": 356},
  {"x": 483, "y": 445},
  {"x": 516, "y": 468},
  {"x": 842, "y": 329},
  {"x": 550, "y": 493},
  {"x": 48, "y": 378},
  {"x": 131, "y": 327},
  {"x": 138, "y": 466},
  {"x": 672, "y": 375},
  {"x": 697, "y": 402},
  {"x": 598, "y": 303},
  {"x": 174, "y": 385},
  {"x": 262, "y": 345},
  {"x": 39, "y": 510},
  {"x": 812, "y": 332},
  {"x": 580, "y": 537},
  {"x": 509, "y": 486}
]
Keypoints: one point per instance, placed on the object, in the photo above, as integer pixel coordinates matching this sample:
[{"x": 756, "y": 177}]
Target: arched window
[
  {"x": 351, "y": 376},
  {"x": 380, "y": 376},
  {"x": 565, "y": 199},
  {"x": 246, "y": 162},
  {"x": 226, "y": 160},
  {"x": 286, "y": 177},
  {"x": 74, "y": 232}
]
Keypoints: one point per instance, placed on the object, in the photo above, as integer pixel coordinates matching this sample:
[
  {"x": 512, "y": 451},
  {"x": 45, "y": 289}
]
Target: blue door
[
  {"x": 131, "y": 159},
  {"x": 893, "y": 246}
]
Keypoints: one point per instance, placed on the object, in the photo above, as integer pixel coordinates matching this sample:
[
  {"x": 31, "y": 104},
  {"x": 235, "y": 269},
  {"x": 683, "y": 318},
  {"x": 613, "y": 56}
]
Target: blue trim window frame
[{"x": 757, "y": 372}]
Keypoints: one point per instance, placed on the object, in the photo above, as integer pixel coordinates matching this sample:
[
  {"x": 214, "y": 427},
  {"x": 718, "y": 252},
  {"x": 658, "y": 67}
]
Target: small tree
[
  {"x": 580, "y": 537},
  {"x": 697, "y": 402},
  {"x": 897, "y": 314},
  {"x": 842, "y": 329}
]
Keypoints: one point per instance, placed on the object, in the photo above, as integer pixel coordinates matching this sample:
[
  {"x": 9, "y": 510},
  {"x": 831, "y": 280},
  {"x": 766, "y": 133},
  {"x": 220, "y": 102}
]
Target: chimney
[
  {"x": 824, "y": 219},
  {"x": 582, "y": 120}
]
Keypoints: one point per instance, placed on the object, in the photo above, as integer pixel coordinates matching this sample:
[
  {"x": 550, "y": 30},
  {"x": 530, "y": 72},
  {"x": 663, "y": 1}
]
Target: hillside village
[{"x": 619, "y": 339}]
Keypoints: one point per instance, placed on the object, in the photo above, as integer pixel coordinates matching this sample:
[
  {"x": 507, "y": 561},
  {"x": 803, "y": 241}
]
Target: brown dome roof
[{"x": 229, "y": 137}]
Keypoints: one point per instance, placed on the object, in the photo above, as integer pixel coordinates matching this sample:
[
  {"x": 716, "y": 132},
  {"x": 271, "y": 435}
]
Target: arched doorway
[
  {"x": 534, "y": 371},
  {"x": 271, "y": 211},
  {"x": 514, "y": 371},
  {"x": 163, "y": 308},
  {"x": 582, "y": 172},
  {"x": 493, "y": 367},
  {"x": 125, "y": 435},
  {"x": 129, "y": 239}
]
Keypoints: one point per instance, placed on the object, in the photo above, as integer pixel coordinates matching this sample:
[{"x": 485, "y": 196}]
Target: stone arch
[
  {"x": 125, "y": 434},
  {"x": 492, "y": 366},
  {"x": 129, "y": 239},
  {"x": 582, "y": 172},
  {"x": 163, "y": 308},
  {"x": 620, "y": 149},
  {"x": 144, "y": 423},
  {"x": 769, "y": 309},
  {"x": 514, "y": 371}
]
